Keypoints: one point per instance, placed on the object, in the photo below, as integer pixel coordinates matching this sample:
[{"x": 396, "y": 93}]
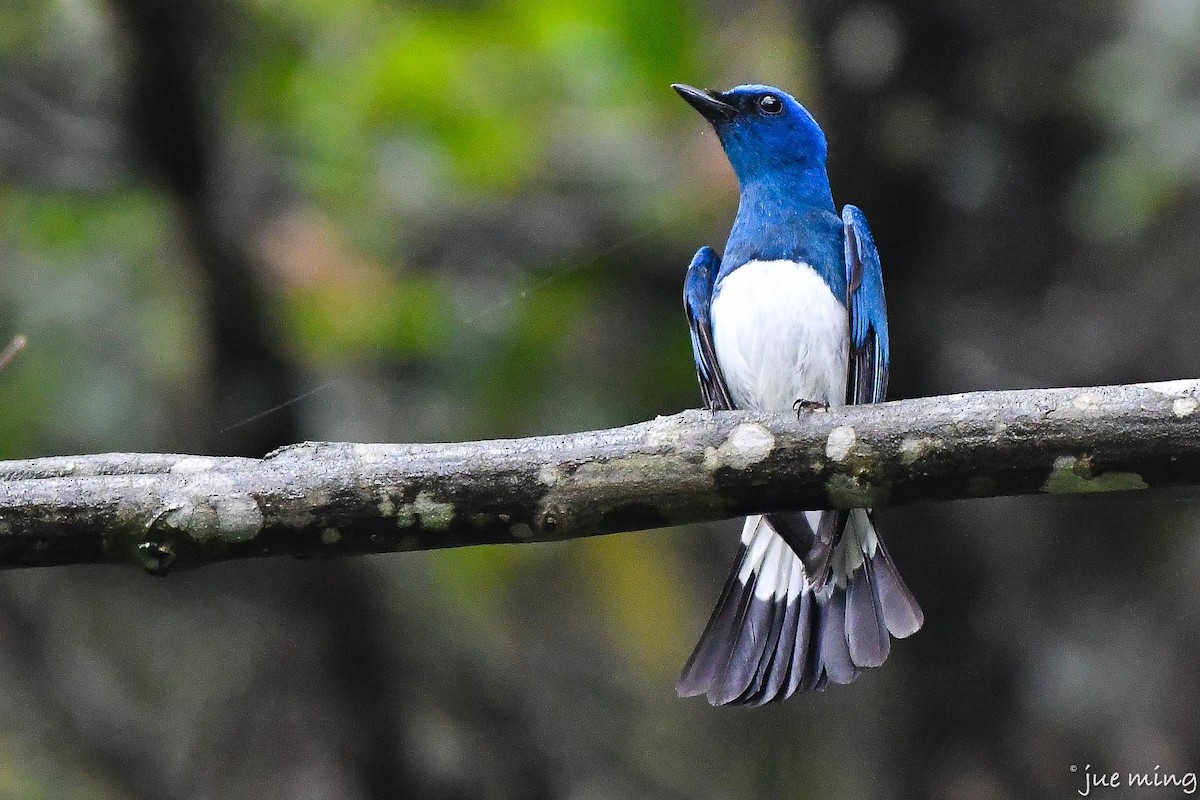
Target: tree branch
[
  {"x": 330, "y": 499},
  {"x": 11, "y": 349}
]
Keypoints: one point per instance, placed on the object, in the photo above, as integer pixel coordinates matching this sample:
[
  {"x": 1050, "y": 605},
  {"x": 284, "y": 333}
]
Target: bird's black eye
[{"x": 770, "y": 104}]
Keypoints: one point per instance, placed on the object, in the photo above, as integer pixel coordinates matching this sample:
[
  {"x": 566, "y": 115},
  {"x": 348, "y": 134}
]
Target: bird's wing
[
  {"x": 697, "y": 302},
  {"x": 868, "y": 312}
]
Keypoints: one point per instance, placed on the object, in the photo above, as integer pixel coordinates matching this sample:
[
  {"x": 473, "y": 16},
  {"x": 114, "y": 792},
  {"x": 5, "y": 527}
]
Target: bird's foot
[{"x": 801, "y": 406}]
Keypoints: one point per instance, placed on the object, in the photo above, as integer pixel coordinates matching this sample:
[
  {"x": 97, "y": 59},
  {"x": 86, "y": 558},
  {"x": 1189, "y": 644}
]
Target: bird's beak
[{"x": 707, "y": 101}]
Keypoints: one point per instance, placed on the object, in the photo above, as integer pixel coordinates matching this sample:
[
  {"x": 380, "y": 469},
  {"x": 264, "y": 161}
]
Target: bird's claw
[{"x": 800, "y": 406}]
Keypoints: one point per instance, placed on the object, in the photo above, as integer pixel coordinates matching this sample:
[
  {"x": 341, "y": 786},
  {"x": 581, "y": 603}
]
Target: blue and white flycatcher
[{"x": 791, "y": 316}]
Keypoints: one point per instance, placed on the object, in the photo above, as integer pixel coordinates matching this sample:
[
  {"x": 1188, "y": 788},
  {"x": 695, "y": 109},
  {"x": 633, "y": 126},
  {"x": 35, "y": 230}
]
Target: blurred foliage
[
  {"x": 471, "y": 220},
  {"x": 91, "y": 279},
  {"x": 385, "y": 110},
  {"x": 1153, "y": 105}
]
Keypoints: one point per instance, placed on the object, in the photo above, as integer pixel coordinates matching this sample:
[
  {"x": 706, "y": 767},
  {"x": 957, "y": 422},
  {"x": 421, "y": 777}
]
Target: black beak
[{"x": 708, "y": 102}]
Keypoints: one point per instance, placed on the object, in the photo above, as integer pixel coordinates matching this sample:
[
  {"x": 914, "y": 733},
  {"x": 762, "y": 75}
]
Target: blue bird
[{"x": 792, "y": 316}]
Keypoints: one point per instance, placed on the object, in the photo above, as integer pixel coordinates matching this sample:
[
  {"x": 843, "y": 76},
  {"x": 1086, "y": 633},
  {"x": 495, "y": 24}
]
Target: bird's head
[{"x": 765, "y": 132}]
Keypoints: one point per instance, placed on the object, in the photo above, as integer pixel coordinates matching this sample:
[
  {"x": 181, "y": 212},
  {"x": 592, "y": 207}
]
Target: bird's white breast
[{"x": 780, "y": 336}]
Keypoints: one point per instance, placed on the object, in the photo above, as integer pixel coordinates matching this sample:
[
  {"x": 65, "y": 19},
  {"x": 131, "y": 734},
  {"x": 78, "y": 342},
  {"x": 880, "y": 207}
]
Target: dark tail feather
[
  {"x": 901, "y": 613},
  {"x": 801, "y": 675},
  {"x": 866, "y": 632},
  {"x": 774, "y": 632},
  {"x": 749, "y": 649},
  {"x": 708, "y": 660},
  {"x": 779, "y": 670},
  {"x": 834, "y": 650},
  {"x": 754, "y": 647},
  {"x": 756, "y": 691}
]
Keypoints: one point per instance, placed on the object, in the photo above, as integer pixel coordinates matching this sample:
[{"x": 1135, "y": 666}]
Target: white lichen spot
[
  {"x": 406, "y": 516},
  {"x": 232, "y": 516},
  {"x": 386, "y": 507},
  {"x": 331, "y": 536},
  {"x": 752, "y": 441},
  {"x": 192, "y": 465},
  {"x": 195, "y": 515},
  {"x": 911, "y": 450},
  {"x": 521, "y": 530},
  {"x": 289, "y": 516},
  {"x": 434, "y": 515},
  {"x": 664, "y": 436},
  {"x": 318, "y": 498},
  {"x": 1184, "y": 406},
  {"x": 1087, "y": 403},
  {"x": 238, "y": 517},
  {"x": 841, "y": 440},
  {"x": 748, "y": 443},
  {"x": 549, "y": 475}
]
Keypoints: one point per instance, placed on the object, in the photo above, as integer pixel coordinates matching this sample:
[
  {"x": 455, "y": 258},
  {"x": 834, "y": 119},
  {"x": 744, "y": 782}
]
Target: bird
[{"x": 791, "y": 316}]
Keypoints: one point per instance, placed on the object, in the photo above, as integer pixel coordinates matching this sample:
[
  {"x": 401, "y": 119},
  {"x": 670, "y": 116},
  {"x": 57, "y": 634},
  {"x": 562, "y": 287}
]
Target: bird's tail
[{"x": 777, "y": 630}]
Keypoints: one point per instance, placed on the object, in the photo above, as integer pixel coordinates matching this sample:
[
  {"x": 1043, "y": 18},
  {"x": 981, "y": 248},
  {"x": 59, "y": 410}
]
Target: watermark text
[{"x": 1094, "y": 779}]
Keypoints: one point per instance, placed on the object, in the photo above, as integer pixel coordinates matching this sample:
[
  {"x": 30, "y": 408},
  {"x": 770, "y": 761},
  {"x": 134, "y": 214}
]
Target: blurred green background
[{"x": 443, "y": 221}]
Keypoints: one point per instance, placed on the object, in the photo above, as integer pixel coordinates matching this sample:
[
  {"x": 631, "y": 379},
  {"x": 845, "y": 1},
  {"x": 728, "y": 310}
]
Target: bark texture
[{"x": 162, "y": 512}]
